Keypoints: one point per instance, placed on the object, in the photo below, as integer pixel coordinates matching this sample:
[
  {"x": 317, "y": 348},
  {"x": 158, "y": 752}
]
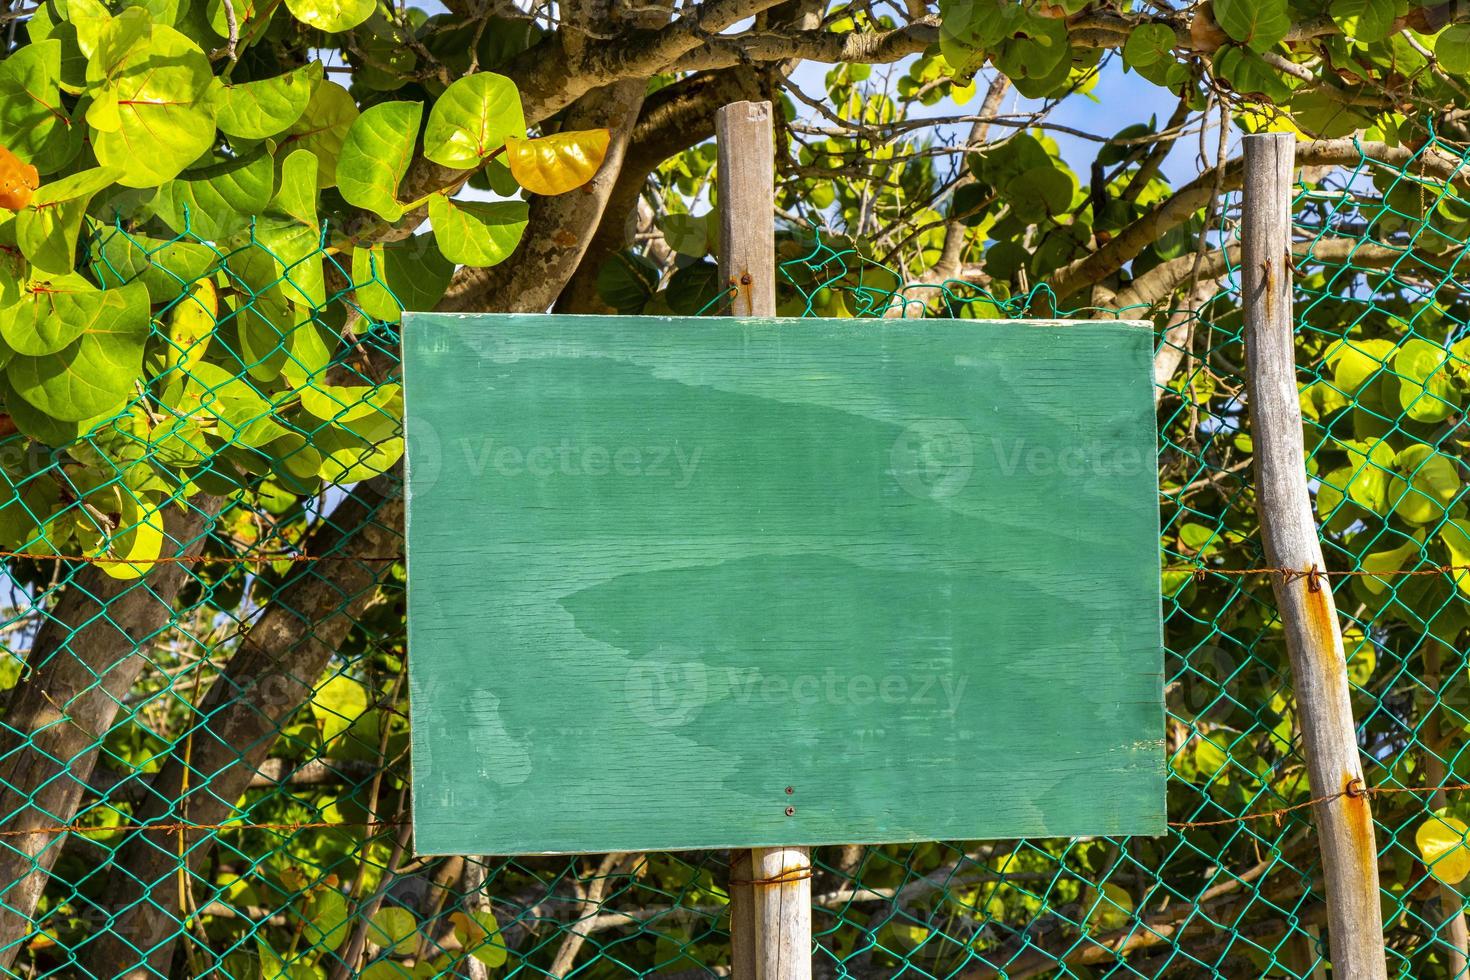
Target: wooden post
[
  {"x": 1303, "y": 596},
  {"x": 770, "y": 920}
]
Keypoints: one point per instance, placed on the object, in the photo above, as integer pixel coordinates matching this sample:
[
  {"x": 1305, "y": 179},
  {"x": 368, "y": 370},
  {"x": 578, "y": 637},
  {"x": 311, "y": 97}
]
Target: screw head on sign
[
  {"x": 790, "y": 790},
  {"x": 791, "y": 811}
]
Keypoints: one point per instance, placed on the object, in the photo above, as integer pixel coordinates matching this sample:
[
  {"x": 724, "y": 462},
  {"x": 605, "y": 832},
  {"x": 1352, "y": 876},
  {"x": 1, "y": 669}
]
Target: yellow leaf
[
  {"x": 191, "y": 325},
  {"x": 1441, "y": 843},
  {"x": 138, "y": 541},
  {"x": 556, "y": 164}
]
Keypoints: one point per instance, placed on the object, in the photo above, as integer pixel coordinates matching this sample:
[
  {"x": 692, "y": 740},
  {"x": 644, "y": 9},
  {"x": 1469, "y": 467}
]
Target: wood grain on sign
[{"x": 689, "y": 583}]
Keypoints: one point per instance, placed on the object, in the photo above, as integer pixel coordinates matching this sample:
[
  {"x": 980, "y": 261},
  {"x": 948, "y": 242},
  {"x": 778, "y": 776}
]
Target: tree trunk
[
  {"x": 86, "y": 656},
  {"x": 271, "y": 674}
]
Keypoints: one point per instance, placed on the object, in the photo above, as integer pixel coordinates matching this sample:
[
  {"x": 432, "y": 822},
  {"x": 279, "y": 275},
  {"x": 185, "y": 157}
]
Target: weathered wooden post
[
  {"x": 1303, "y": 594},
  {"x": 770, "y": 891}
]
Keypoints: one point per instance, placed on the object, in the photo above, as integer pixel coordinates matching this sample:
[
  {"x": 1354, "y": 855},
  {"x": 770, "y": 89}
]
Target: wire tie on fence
[
  {"x": 1199, "y": 574},
  {"x": 1355, "y": 789},
  {"x": 787, "y": 877}
]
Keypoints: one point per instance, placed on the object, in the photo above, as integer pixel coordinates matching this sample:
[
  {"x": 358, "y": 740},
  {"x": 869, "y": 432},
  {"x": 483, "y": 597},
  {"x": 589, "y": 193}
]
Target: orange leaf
[
  {"x": 17, "y": 180},
  {"x": 557, "y": 163}
]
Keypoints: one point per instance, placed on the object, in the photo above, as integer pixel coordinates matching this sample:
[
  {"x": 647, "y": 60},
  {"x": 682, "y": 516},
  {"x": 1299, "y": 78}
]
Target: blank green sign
[{"x": 688, "y": 583}]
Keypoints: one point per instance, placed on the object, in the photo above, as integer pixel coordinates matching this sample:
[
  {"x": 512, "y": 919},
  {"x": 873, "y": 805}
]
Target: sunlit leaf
[
  {"x": 375, "y": 156},
  {"x": 255, "y": 110},
  {"x": 473, "y": 119},
  {"x": 93, "y": 372},
  {"x": 1441, "y": 841},
  {"x": 476, "y": 233},
  {"x": 557, "y": 163},
  {"x": 322, "y": 129},
  {"x": 331, "y": 15},
  {"x": 47, "y": 230},
  {"x": 156, "y": 96}
]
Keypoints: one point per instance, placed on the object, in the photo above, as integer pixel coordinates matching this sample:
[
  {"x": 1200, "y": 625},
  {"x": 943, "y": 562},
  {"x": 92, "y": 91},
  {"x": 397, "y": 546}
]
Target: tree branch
[{"x": 1098, "y": 265}]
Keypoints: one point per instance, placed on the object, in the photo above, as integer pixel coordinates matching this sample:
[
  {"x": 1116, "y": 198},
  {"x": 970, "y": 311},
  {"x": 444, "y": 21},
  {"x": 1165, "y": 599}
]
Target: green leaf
[
  {"x": 693, "y": 287},
  {"x": 337, "y": 704},
  {"x": 626, "y": 282},
  {"x": 1365, "y": 21},
  {"x": 1456, "y": 537},
  {"x": 322, "y": 129},
  {"x": 411, "y": 274},
  {"x": 367, "y": 411},
  {"x": 1249, "y": 74},
  {"x": 375, "y": 156},
  {"x": 158, "y": 94},
  {"x": 479, "y": 933},
  {"x": 1370, "y": 472},
  {"x": 1001, "y": 162},
  {"x": 208, "y": 391},
  {"x": 1354, "y": 362},
  {"x": 1426, "y": 390},
  {"x": 1149, "y": 44},
  {"x": 1040, "y": 193},
  {"x": 348, "y": 458},
  {"x": 687, "y": 234},
  {"x": 94, "y": 372},
  {"x": 51, "y": 431},
  {"x": 1258, "y": 24},
  {"x": 255, "y": 110},
  {"x": 1325, "y": 114},
  {"x": 1109, "y": 907},
  {"x": 166, "y": 268},
  {"x": 34, "y": 125},
  {"x": 1380, "y": 563},
  {"x": 47, "y": 231},
  {"x": 475, "y": 233},
  {"x": 393, "y": 929},
  {"x": 51, "y": 313},
  {"x": 332, "y": 16},
  {"x": 327, "y": 919},
  {"x": 46, "y": 24},
  {"x": 276, "y": 338},
  {"x": 473, "y": 119},
  {"x": 1423, "y": 485},
  {"x": 292, "y": 235},
  {"x": 217, "y": 201},
  {"x": 1452, "y": 49},
  {"x": 1039, "y": 53}
]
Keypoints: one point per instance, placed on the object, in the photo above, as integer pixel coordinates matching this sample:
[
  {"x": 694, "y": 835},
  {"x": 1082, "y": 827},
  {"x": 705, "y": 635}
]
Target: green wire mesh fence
[{"x": 203, "y": 762}]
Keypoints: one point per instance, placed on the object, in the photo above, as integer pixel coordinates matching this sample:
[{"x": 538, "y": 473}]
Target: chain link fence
[{"x": 203, "y": 761}]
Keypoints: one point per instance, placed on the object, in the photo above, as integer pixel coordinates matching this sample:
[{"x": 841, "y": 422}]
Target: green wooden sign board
[{"x": 695, "y": 583}]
